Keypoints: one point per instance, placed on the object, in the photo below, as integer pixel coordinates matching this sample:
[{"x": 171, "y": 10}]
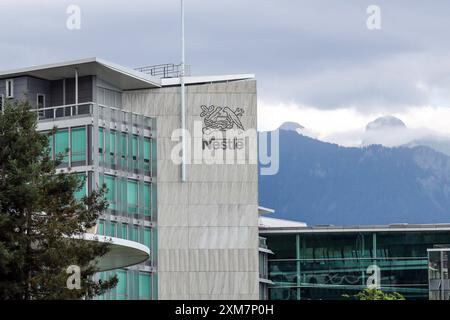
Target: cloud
[{"x": 311, "y": 53}]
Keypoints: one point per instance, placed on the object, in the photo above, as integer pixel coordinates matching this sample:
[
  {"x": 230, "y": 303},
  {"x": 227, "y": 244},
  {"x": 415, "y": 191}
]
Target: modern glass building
[
  {"x": 103, "y": 144},
  {"x": 114, "y": 126},
  {"x": 438, "y": 277},
  {"x": 329, "y": 262}
]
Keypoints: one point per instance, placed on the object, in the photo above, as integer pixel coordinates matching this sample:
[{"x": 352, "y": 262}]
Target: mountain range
[{"x": 324, "y": 183}]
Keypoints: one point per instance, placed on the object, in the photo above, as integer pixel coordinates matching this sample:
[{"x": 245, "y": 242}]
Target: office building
[{"x": 119, "y": 127}]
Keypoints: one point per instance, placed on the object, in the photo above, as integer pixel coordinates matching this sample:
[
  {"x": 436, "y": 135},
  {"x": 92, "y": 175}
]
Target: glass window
[
  {"x": 284, "y": 246},
  {"x": 82, "y": 192},
  {"x": 110, "y": 183},
  {"x": 112, "y": 229},
  {"x": 62, "y": 144},
  {"x": 112, "y": 146},
  {"x": 124, "y": 232},
  {"x": 101, "y": 227},
  {"x": 147, "y": 197},
  {"x": 50, "y": 143},
  {"x": 133, "y": 233},
  {"x": 144, "y": 286},
  {"x": 40, "y": 103},
  {"x": 79, "y": 144},
  {"x": 136, "y": 233},
  {"x": 10, "y": 88},
  {"x": 134, "y": 144},
  {"x": 153, "y": 143},
  {"x": 100, "y": 143},
  {"x": 147, "y": 147},
  {"x": 123, "y": 148},
  {"x": 147, "y": 236},
  {"x": 121, "y": 288},
  {"x": 132, "y": 196}
]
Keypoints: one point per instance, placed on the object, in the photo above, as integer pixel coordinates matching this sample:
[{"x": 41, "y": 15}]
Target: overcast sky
[{"x": 316, "y": 61}]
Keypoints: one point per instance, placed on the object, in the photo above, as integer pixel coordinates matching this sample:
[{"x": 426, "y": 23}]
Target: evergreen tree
[{"x": 40, "y": 217}]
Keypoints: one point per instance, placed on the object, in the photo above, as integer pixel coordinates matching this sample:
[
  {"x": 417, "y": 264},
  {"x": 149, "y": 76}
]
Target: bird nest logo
[{"x": 220, "y": 118}]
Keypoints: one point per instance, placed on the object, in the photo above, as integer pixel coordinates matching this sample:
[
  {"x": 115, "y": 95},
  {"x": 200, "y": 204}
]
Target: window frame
[
  {"x": 9, "y": 84},
  {"x": 78, "y": 156},
  {"x": 37, "y": 100},
  {"x": 112, "y": 203},
  {"x": 57, "y": 141},
  {"x": 132, "y": 208}
]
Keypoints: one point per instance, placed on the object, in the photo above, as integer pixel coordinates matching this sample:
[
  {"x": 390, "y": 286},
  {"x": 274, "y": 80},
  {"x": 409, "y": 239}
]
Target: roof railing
[{"x": 168, "y": 70}]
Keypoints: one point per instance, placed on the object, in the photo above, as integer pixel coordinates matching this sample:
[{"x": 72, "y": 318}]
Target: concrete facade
[{"x": 208, "y": 225}]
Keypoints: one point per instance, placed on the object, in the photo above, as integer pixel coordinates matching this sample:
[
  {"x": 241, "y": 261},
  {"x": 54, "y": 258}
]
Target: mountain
[
  {"x": 323, "y": 183},
  {"x": 291, "y": 126},
  {"x": 385, "y": 122},
  {"x": 390, "y": 131},
  {"x": 436, "y": 143}
]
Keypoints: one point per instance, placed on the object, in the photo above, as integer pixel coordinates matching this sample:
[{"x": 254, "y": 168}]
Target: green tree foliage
[
  {"x": 40, "y": 218},
  {"x": 376, "y": 294}
]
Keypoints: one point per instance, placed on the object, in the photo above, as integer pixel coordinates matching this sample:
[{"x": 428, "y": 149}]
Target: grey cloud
[{"x": 317, "y": 53}]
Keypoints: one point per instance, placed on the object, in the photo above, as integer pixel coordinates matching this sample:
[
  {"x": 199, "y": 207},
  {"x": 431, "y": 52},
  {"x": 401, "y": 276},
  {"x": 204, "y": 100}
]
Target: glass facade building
[
  {"x": 328, "y": 263},
  {"x": 438, "y": 279},
  {"x": 119, "y": 153},
  {"x": 263, "y": 263},
  {"x": 80, "y": 109}
]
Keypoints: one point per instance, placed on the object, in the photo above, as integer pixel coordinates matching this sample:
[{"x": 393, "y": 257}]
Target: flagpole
[{"x": 183, "y": 99}]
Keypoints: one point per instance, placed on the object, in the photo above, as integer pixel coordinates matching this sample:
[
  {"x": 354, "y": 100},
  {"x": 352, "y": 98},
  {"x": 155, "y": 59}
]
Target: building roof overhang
[
  {"x": 119, "y": 76},
  {"x": 206, "y": 79},
  {"x": 287, "y": 226}
]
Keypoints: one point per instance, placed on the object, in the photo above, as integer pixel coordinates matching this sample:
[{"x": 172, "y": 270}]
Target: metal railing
[
  {"x": 64, "y": 111},
  {"x": 89, "y": 109},
  {"x": 168, "y": 70}
]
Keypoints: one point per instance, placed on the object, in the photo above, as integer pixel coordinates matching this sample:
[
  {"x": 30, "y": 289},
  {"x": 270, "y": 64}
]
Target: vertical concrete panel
[{"x": 207, "y": 226}]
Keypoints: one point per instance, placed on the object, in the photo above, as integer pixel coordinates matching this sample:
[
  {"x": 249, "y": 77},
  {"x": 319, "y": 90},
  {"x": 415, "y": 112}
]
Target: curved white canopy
[{"x": 123, "y": 253}]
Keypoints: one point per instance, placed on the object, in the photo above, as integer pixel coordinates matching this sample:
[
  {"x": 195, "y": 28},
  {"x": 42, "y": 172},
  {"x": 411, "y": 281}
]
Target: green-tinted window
[
  {"x": 136, "y": 233},
  {"x": 122, "y": 190},
  {"x": 82, "y": 192},
  {"x": 78, "y": 144},
  {"x": 132, "y": 196},
  {"x": 110, "y": 183},
  {"x": 101, "y": 144},
  {"x": 147, "y": 146},
  {"x": 133, "y": 233},
  {"x": 112, "y": 146},
  {"x": 50, "y": 144},
  {"x": 144, "y": 286},
  {"x": 123, "y": 230},
  {"x": 154, "y": 200},
  {"x": 123, "y": 148},
  {"x": 112, "y": 229},
  {"x": 153, "y": 143},
  {"x": 134, "y": 144},
  {"x": 121, "y": 288},
  {"x": 101, "y": 227},
  {"x": 62, "y": 144},
  {"x": 147, "y": 199},
  {"x": 147, "y": 236}
]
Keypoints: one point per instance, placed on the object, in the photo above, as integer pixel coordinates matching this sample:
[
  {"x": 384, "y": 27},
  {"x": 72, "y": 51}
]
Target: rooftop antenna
[{"x": 183, "y": 100}]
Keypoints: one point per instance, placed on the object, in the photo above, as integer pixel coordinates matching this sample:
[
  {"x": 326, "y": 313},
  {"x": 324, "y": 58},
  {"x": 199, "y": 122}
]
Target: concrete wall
[
  {"x": 28, "y": 88},
  {"x": 207, "y": 226},
  {"x": 20, "y": 88}
]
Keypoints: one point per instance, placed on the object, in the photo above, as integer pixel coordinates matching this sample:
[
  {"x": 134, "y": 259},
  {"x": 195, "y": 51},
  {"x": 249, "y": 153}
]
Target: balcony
[
  {"x": 91, "y": 109},
  {"x": 65, "y": 111}
]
